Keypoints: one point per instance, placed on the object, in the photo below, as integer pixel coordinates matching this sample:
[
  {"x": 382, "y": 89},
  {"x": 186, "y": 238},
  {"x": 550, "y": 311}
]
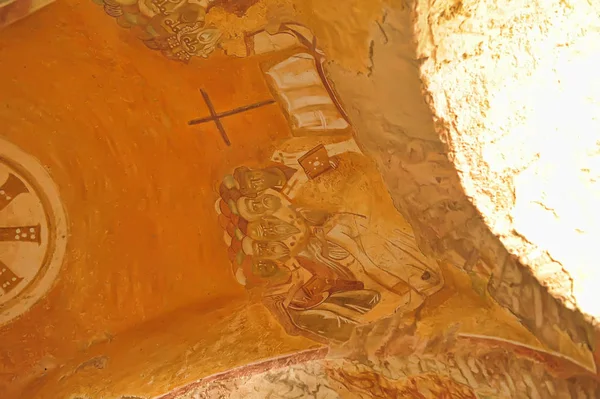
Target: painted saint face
[
  {"x": 264, "y": 268},
  {"x": 271, "y": 228},
  {"x": 254, "y": 208},
  {"x": 270, "y": 250},
  {"x": 253, "y": 182}
]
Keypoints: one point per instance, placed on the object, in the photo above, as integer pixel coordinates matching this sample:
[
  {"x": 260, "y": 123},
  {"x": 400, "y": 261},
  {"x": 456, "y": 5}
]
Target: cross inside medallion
[
  {"x": 216, "y": 117},
  {"x": 12, "y": 188}
]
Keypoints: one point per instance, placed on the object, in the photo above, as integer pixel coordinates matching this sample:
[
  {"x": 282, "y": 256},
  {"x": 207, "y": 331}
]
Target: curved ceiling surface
[{"x": 245, "y": 181}]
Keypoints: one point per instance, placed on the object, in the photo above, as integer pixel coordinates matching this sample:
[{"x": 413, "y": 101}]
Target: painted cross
[
  {"x": 216, "y": 117},
  {"x": 8, "y": 192},
  {"x": 8, "y": 279}
]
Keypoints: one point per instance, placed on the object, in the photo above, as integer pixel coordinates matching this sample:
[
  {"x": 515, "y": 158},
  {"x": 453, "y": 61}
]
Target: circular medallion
[{"x": 33, "y": 231}]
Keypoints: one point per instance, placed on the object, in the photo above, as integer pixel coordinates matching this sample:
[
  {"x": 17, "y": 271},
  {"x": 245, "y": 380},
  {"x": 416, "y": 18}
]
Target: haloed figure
[
  {"x": 254, "y": 181},
  {"x": 271, "y": 228},
  {"x": 264, "y": 268},
  {"x": 315, "y": 300},
  {"x": 253, "y": 208},
  {"x": 270, "y": 250}
]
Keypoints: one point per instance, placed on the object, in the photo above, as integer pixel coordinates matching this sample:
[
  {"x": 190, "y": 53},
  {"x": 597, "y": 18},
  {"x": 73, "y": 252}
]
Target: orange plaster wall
[
  {"x": 170, "y": 352},
  {"x": 108, "y": 117}
]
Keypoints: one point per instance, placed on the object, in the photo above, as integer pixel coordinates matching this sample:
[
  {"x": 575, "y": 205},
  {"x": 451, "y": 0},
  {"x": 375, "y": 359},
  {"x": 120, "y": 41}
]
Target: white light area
[
  {"x": 520, "y": 83},
  {"x": 558, "y": 199}
]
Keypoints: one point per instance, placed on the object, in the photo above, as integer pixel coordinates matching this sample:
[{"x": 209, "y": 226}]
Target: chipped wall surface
[
  {"x": 170, "y": 352},
  {"x": 401, "y": 134},
  {"x": 257, "y": 183},
  {"x": 426, "y": 378},
  {"x": 467, "y": 371},
  {"x": 504, "y": 80}
]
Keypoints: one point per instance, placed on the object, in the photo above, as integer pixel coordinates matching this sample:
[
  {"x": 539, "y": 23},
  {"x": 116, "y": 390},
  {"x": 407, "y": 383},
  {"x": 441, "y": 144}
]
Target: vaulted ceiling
[{"x": 192, "y": 191}]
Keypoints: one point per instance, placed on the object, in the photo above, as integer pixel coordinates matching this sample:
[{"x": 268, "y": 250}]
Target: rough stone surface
[
  {"x": 395, "y": 125},
  {"x": 491, "y": 373},
  {"x": 514, "y": 90}
]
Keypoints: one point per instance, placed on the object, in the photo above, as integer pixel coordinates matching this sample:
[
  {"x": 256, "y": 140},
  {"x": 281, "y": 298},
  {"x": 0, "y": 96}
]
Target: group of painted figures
[{"x": 321, "y": 271}]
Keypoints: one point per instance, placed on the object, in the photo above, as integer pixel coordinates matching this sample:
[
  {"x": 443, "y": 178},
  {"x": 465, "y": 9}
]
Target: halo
[
  {"x": 227, "y": 238},
  {"x": 48, "y": 193},
  {"x": 247, "y": 245},
  {"x": 240, "y": 276}
]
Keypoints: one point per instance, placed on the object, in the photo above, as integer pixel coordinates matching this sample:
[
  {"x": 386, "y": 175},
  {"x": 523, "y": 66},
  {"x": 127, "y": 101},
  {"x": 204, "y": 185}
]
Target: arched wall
[
  {"x": 380, "y": 64},
  {"x": 396, "y": 119}
]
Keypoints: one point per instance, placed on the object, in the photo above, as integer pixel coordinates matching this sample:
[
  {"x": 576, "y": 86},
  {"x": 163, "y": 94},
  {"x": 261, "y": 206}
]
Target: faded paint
[{"x": 223, "y": 211}]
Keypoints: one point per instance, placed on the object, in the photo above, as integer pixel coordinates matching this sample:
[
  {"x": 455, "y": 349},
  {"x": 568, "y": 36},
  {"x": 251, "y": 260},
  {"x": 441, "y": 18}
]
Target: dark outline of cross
[
  {"x": 11, "y": 189},
  {"x": 215, "y": 117}
]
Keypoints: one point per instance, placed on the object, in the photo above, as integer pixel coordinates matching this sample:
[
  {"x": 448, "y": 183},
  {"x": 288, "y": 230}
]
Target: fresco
[
  {"x": 224, "y": 210},
  {"x": 331, "y": 380},
  {"x": 465, "y": 370},
  {"x": 313, "y": 230},
  {"x": 32, "y": 231},
  {"x": 323, "y": 265},
  {"x": 176, "y": 28}
]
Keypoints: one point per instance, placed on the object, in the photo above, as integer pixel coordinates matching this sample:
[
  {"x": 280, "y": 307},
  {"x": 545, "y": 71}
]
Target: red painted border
[{"x": 251, "y": 369}]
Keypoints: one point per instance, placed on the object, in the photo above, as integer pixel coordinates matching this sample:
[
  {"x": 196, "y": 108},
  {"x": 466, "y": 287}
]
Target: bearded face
[
  {"x": 264, "y": 268},
  {"x": 271, "y": 228},
  {"x": 259, "y": 206},
  {"x": 252, "y": 182},
  {"x": 270, "y": 250}
]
